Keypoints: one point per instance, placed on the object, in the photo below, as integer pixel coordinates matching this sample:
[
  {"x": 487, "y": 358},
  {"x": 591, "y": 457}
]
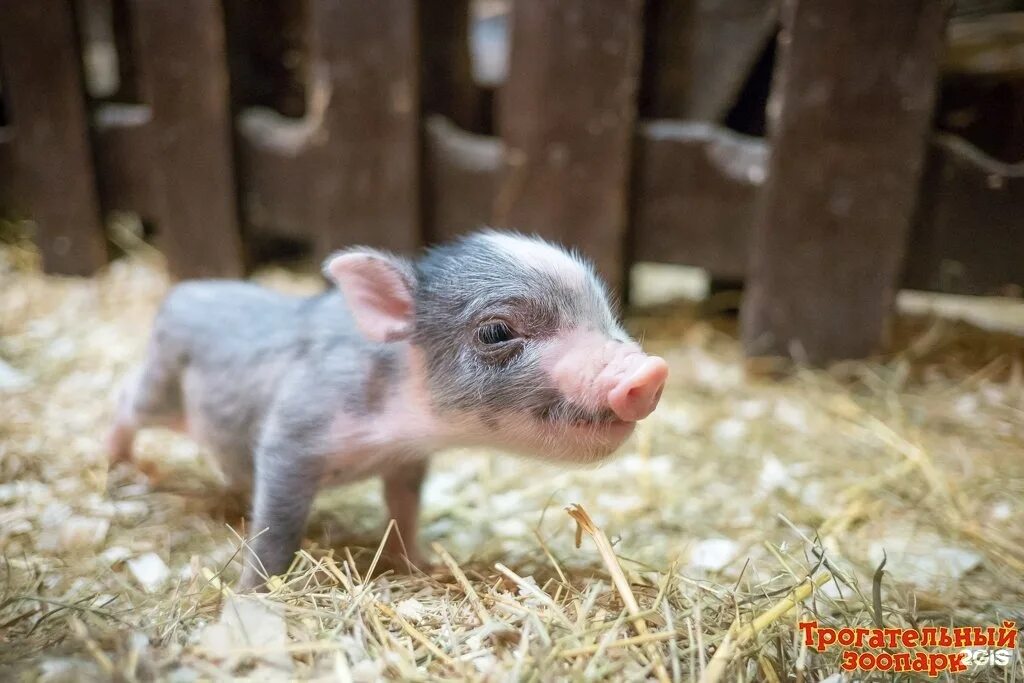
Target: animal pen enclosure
[
  {"x": 334, "y": 122},
  {"x": 883, "y": 492}
]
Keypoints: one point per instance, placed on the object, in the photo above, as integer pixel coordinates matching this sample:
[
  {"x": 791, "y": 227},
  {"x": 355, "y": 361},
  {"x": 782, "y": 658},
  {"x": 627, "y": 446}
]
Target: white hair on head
[
  {"x": 568, "y": 265},
  {"x": 540, "y": 254}
]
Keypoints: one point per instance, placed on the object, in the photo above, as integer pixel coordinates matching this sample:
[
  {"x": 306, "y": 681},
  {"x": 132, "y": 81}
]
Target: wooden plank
[
  {"x": 127, "y": 75},
  {"x": 8, "y": 193},
  {"x": 44, "y": 90},
  {"x": 730, "y": 36},
  {"x": 695, "y": 187},
  {"x": 567, "y": 115},
  {"x": 267, "y": 55},
  {"x": 461, "y": 176},
  {"x": 348, "y": 171},
  {"x": 183, "y": 61},
  {"x": 968, "y": 235},
  {"x": 369, "y": 191},
  {"x": 851, "y": 116},
  {"x": 668, "y": 46},
  {"x": 446, "y": 76},
  {"x": 982, "y": 95},
  {"x": 126, "y": 166},
  {"x": 277, "y": 161},
  {"x": 701, "y": 53}
]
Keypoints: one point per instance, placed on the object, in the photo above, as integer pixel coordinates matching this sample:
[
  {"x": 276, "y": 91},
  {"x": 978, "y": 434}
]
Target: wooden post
[
  {"x": 968, "y": 235},
  {"x": 667, "y": 72},
  {"x": 694, "y": 191},
  {"x": 41, "y": 63},
  {"x": 567, "y": 117},
  {"x": 184, "y": 66},
  {"x": 700, "y": 54},
  {"x": 128, "y": 80},
  {"x": 850, "y": 111},
  {"x": 454, "y": 197},
  {"x": 367, "y": 190},
  {"x": 347, "y": 173},
  {"x": 461, "y": 176},
  {"x": 446, "y": 77},
  {"x": 267, "y": 53},
  {"x": 8, "y": 193}
]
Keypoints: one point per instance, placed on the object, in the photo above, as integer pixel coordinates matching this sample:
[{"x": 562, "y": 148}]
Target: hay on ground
[{"x": 743, "y": 505}]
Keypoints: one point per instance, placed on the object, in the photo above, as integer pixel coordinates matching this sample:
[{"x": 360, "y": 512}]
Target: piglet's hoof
[
  {"x": 133, "y": 472},
  {"x": 400, "y": 561},
  {"x": 233, "y": 507}
]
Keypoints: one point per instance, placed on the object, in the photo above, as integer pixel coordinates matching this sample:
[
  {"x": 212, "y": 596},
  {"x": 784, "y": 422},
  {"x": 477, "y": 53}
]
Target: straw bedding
[{"x": 750, "y": 500}]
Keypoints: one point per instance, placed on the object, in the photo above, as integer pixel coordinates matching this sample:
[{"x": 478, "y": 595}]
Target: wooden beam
[
  {"x": 968, "y": 235},
  {"x": 183, "y": 63},
  {"x": 701, "y": 52},
  {"x": 45, "y": 93},
  {"x": 852, "y": 100},
  {"x": 446, "y": 74},
  {"x": 695, "y": 188},
  {"x": 126, "y": 167},
  {"x": 8, "y": 193},
  {"x": 348, "y": 171},
  {"x": 567, "y": 115},
  {"x": 461, "y": 176},
  {"x": 695, "y": 195}
]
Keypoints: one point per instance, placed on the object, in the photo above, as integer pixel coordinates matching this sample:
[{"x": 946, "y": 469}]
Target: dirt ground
[{"x": 749, "y": 501}]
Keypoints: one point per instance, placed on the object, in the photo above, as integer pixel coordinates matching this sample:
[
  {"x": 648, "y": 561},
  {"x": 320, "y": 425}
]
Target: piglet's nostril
[{"x": 638, "y": 394}]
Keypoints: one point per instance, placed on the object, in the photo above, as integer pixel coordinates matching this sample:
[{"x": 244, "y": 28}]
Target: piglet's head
[{"x": 519, "y": 344}]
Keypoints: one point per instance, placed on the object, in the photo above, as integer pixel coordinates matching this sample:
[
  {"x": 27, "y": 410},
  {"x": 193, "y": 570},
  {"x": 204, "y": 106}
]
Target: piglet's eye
[{"x": 495, "y": 333}]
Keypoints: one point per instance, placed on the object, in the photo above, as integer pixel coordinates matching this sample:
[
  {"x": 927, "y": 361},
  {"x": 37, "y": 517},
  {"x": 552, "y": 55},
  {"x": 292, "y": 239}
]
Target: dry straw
[{"x": 744, "y": 505}]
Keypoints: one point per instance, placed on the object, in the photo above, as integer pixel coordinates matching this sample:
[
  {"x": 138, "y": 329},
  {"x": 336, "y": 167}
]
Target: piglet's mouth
[{"x": 565, "y": 413}]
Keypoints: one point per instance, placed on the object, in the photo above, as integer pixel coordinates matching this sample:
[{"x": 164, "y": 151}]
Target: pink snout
[{"x": 637, "y": 395}]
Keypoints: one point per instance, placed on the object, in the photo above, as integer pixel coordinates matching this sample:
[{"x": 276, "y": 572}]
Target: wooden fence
[{"x": 609, "y": 135}]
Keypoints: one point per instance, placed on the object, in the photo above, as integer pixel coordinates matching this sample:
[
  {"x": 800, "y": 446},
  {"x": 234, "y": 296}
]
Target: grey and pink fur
[{"x": 495, "y": 339}]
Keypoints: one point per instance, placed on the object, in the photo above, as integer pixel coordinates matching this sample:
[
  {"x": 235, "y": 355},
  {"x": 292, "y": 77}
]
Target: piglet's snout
[
  {"x": 597, "y": 373},
  {"x": 638, "y": 393}
]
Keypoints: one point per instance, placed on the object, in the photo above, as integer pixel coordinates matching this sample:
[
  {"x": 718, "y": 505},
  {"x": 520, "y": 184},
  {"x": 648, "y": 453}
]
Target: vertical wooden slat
[
  {"x": 852, "y": 99},
  {"x": 448, "y": 93},
  {"x": 41, "y": 60},
  {"x": 128, "y": 82},
  {"x": 183, "y": 62},
  {"x": 567, "y": 115},
  {"x": 700, "y": 54},
  {"x": 968, "y": 234},
  {"x": 728, "y": 39},
  {"x": 461, "y": 175},
  {"x": 446, "y": 76},
  {"x": 7, "y": 189},
  {"x": 367, "y": 190},
  {"x": 126, "y": 168},
  {"x": 694, "y": 191},
  {"x": 668, "y": 49},
  {"x": 267, "y": 53},
  {"x": 348, "y": 171}
]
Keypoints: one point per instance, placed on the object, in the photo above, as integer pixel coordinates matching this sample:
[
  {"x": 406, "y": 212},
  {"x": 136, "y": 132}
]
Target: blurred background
[
  {"x": 816, "y": 155},
  {"x": 755, "y": 178}
]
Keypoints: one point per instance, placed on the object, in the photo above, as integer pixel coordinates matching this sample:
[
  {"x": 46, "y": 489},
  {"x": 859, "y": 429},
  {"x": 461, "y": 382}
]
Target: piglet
[{"x": 496, "y": 339}]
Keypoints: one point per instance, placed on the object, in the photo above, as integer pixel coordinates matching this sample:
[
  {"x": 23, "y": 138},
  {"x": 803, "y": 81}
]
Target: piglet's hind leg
[
  {"x": 402, "y": 491},
  {"x": 150, "y": 396}
]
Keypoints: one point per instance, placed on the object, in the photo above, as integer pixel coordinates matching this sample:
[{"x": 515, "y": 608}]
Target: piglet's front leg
[
  {"x": 286, "y": 483},
  {"x": 402, "y": 489}
]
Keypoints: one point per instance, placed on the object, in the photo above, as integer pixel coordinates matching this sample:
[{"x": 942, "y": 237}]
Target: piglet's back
[{"x": 227, "y": 322}]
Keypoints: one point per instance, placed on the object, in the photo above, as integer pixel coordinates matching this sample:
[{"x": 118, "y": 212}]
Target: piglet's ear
[{"x": 378, "y": 288}]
